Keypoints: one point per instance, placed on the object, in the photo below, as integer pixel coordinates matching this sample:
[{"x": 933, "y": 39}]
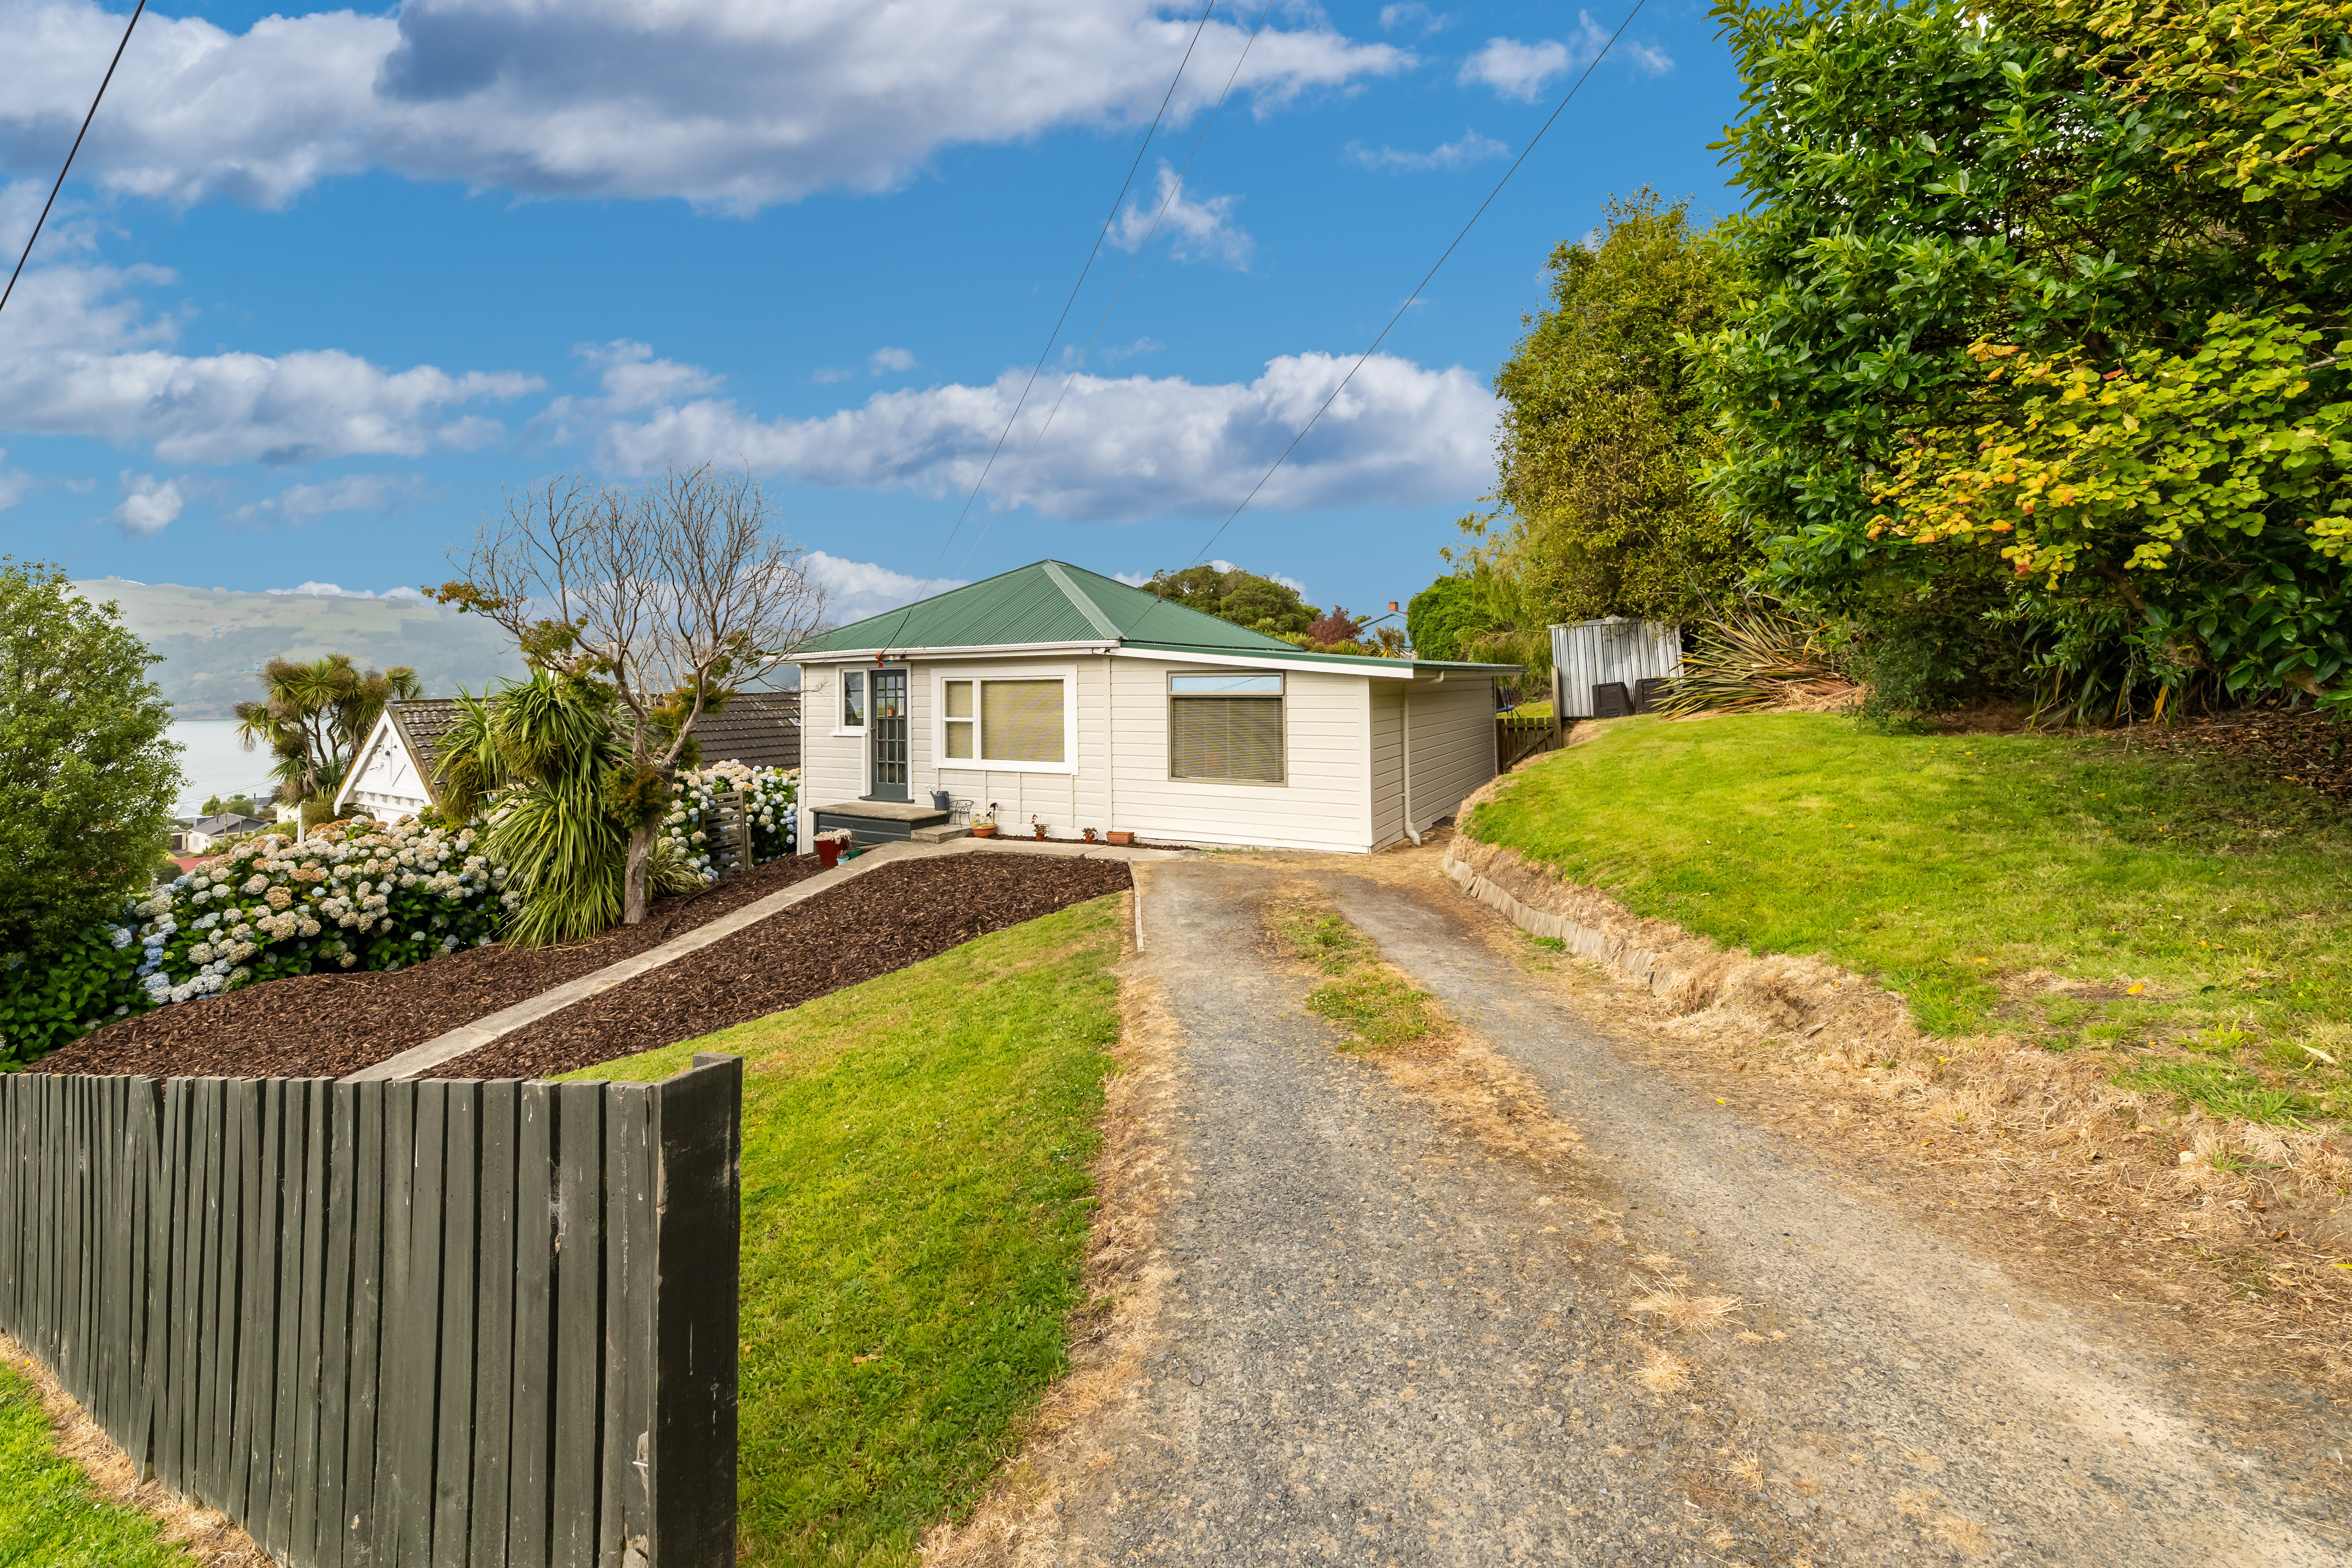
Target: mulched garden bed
[
  {"x": 886, "y": 920},
  {"x": 322, "y": 1025},
  {"x": 2298, "y": 745}
]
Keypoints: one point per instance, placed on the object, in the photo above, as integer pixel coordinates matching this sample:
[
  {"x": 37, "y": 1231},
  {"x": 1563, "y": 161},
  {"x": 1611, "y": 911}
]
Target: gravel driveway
[{"x": 1384, "y": 1344}]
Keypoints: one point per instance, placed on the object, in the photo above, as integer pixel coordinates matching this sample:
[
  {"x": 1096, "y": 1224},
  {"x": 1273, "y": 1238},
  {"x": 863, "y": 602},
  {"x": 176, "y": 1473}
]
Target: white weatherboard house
[{"x": 1058, "y": 694}]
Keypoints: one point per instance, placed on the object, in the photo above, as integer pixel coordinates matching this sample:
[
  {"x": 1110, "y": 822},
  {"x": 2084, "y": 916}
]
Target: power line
[
  {"x": 86, "y": 119},
  {"x": 1409, "y": 298},
  {"x": 1110, "y": 218},
  {"x": 1012, "y": 491}
]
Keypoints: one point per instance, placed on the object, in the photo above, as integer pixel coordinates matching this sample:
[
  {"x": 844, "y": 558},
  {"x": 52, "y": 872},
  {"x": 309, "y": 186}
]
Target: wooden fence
[
  {"x": 448, "y": 1325},
  {"x": 1518, "y": 736}
]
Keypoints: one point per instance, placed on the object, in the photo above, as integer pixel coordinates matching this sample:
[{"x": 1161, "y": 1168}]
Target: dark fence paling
[
  {"x": 1518, "y": 736},
  {"x": 449, "y": 1324}
]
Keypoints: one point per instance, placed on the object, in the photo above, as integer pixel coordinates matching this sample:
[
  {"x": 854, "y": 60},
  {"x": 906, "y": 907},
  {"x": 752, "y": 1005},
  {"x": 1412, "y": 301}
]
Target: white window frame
[
  {"x": 840, "y": 689},
  {"x": 1068, "y": 674},
  {"x": 1171, "y": 697}
]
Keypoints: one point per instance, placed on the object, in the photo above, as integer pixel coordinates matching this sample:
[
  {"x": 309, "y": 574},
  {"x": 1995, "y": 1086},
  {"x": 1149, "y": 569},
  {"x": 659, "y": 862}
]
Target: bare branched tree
[{"x": 673, "y": 597}]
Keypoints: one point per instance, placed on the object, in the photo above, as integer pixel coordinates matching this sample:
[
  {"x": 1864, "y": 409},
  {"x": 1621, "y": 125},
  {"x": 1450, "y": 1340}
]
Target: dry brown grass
[
  {"x": 205, "y": 1535},
  {"x": 1689, "y": 1315},
  {"x": 2229, "y": 1237},
  {"x": 1126, "y": 1278},
  {"x": 1661, "y": 1371}
]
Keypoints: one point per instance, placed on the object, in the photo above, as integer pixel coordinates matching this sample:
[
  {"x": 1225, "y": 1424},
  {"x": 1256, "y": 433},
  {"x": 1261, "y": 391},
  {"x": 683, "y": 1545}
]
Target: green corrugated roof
[
  {"x": 1054, "y": 602},
  {"x": 1047, "y": 601}
]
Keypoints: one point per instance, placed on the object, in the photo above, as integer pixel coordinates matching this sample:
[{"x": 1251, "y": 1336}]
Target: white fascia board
[
  {"x": 1404, "y": 671},
  {"x": 982, "y": 650},
  {"x": 367, "y": 754}
]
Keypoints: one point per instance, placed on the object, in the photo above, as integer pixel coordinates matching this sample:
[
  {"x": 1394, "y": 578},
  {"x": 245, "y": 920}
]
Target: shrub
[
  {"x": 769, "y": 796},
  {"x": 364, "y": 898}
]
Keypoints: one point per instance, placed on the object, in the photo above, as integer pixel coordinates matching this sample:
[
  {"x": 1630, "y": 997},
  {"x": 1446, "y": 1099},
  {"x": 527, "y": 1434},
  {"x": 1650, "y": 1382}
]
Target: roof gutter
[{"x": 974, "y": 650}]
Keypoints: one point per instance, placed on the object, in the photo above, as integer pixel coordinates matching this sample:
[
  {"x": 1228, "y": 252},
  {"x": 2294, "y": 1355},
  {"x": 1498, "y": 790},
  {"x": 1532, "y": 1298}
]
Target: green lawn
[
  {"x": 916, "y": 1200},
  {"x": 47, "y": 1517},
  {"x": 1944, "y": 864}
]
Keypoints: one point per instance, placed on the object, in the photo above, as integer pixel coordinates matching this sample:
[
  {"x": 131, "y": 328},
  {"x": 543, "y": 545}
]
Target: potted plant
[
  {"x": 984, "y": 825},
  {"x": 1121, "y": 836},
  {"x": 1038, "y": 826},
  {"x": 831, "y": 845},
  {"x": 1087, "y": 833}
]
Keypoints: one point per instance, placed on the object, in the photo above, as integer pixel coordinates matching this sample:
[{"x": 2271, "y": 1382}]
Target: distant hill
[{"x": 214, "y": 642}]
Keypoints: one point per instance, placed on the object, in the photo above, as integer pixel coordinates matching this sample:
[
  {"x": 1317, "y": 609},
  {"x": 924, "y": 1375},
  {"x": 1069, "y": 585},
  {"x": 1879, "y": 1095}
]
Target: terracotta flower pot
[
  {"x": 1120, "y": 835},
  {"x": 984, "y": 830},
  {"x": 828, "y": 853}
]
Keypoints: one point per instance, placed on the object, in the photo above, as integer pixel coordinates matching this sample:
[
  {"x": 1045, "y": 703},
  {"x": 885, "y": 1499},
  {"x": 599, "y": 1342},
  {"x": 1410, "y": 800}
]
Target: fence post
[{"x": 697, "y": 1236}]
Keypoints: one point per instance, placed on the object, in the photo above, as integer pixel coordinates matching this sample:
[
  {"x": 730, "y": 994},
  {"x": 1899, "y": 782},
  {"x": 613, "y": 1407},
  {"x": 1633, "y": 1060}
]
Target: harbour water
[{"x": 216, "y": 762}]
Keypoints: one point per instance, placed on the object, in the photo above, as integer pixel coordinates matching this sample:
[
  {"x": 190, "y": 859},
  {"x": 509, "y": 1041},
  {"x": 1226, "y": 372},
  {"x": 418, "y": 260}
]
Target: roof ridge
[{"x": 1082, "y": 602}]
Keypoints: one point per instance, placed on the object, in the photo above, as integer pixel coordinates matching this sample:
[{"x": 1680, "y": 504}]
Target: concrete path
[
  {"x": 482, "y": 1031},
  {"x": 1386, "y": 1345}
]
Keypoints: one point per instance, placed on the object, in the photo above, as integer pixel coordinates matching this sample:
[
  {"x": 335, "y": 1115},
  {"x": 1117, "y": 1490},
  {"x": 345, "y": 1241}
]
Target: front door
[{"x": 886, "y": 731}]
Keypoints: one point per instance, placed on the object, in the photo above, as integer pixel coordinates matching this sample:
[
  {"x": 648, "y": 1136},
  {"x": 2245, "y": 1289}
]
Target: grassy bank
[
  {"x": 48, "y": 1517},
  {"x": 916, "y": 1200},
  {"x": 2201, "y": 916}
]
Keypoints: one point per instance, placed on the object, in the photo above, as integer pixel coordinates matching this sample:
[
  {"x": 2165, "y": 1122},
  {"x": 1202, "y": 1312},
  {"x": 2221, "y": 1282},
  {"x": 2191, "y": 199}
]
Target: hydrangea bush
[
  {"x": 358, "y": 898},
  {"x": 769, "y": 797}
]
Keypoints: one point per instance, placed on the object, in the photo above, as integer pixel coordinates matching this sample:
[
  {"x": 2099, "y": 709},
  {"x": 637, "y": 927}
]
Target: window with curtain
[
  {"x": 852, "y": 700},
  {"x": 1225, "y": 727},
  {"x": 1003, "y": 721}
]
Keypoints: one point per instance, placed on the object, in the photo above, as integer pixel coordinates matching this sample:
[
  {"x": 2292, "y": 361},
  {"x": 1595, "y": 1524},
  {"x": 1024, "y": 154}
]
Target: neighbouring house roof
[
  {"x": 421, "y": 722},
  {"x": 1052, "y": 602},
  {"x": 227, "y": 822},
  {"x": 761, "y": 728}
]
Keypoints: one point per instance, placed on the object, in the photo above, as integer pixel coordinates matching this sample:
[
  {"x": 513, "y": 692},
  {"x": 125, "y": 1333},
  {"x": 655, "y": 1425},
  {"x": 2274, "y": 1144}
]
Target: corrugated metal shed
[{"x": 1593, "y": 653}]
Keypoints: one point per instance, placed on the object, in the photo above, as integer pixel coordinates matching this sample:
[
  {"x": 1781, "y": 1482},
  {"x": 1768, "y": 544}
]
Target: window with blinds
[
  {"x": 1225, "y": 727},
  {"x": 1001, "y": 721},
  {"x": 956, "y": 712},
  {"x": 1020, "y": 721}
]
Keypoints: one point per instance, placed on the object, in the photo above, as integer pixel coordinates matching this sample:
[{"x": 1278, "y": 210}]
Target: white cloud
[
  {"x": 856, "y": 589},
  {"x": 1197, "y": 230},
  {"x": 13, "y": 482},
  {"x": 150, "y": 507},
  {"x": 299, "y": 504},
  {"x": 1143, "y": 579},
  {"x": 727, "y": 104},
  {"x": 1515, "y": 69},
  {"x": 1471, "y": 148},
  {"x": 79, "y": 355},
  {"x": 882, "y": 361},
  {"x": 1522, "y": 71},
  {"x": 334, "y": 591},
  {"x": 1120, "y": 449},
  {"x": 1412, "y": 14},
  {"x": 1140, "y": 347}
]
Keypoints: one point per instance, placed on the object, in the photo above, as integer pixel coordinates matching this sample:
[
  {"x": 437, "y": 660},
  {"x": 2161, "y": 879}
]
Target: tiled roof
[
  {"x": 421, "y": 722},
  {"x": 761, "y": 728}
]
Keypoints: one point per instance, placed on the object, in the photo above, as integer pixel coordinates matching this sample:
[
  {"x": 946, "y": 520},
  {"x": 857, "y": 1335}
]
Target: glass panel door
[{"x": 886, "y": 728}]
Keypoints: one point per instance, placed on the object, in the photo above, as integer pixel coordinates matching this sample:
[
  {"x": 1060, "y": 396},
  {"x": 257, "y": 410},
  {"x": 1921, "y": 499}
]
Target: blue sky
[{"x": 321, "y": 283}]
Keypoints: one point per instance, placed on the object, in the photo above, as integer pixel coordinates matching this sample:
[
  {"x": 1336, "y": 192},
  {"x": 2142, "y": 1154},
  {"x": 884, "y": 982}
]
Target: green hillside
[{"x": 215, "y": 641}]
